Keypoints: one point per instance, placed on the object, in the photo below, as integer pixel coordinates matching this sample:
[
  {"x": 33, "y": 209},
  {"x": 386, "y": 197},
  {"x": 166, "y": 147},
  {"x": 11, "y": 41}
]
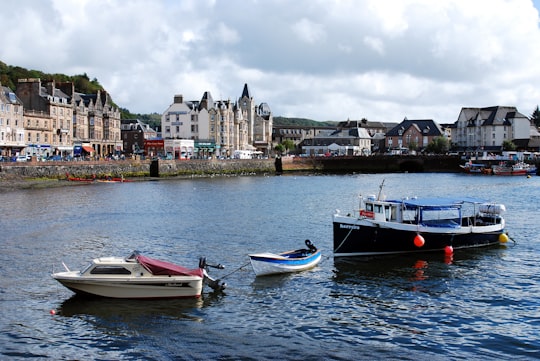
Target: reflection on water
[{"x": 107, "y": 309}]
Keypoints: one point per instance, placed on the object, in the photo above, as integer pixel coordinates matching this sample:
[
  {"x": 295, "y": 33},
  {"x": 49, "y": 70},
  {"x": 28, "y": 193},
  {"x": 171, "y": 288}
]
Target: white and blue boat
[{"x": 291, "y": 261}]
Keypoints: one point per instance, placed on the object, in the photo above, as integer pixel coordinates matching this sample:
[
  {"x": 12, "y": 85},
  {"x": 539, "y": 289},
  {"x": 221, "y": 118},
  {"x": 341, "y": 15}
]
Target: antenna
[{"x": 380, "y": 190}]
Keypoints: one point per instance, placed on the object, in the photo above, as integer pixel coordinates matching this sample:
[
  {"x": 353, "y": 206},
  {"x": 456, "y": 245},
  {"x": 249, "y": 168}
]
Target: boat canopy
[
  {"x": 162, "y": 268},
  {"x": 438, "y": 202}
]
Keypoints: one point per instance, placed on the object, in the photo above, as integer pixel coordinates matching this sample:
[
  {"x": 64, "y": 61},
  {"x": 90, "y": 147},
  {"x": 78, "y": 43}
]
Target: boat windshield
[{"x": 440, "y": 216}]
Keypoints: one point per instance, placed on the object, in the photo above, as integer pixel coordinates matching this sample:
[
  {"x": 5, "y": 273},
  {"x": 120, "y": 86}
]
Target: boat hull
[
  {"x": 133, "y": 288},
  {"x": 353, "y": 237},
  {"x": 268, "y": 264}
]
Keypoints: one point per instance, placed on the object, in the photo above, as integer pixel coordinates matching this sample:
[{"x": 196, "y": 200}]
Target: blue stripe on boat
[{"x": 289, "y": 261}]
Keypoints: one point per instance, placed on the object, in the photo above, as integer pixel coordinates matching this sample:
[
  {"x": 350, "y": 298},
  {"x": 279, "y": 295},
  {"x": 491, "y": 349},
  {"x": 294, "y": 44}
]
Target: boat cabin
[{"x": 432, "y": 212}]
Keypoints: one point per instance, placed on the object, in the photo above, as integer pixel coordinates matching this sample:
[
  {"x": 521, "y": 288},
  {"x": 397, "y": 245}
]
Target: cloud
[{"x": 379, "y": 59}]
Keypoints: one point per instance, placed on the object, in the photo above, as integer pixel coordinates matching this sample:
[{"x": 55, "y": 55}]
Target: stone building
[
  {"x": 134, "y": 134},
  {"x": 47, "y": 118},
  {"x": 12, "y": 140},
  {"x": 413, "y": 134},
  {"x": 219, "y": 127},
  {"x": 60, "y": 121},
  {"x": 96, "y": 122}
]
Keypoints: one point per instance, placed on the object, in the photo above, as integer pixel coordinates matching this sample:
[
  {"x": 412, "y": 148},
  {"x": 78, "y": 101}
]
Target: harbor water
[{"x": 480, "y": 304}]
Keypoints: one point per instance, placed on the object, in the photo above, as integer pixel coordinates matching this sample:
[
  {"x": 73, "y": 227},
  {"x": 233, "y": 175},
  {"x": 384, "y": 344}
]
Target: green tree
[
  {"x": 438, "y": 145},
  {"x": 508, "y": 145},
  {"x": 535, "y": 117},
  {"x": 288, "y": 144},
  {"x": 279, "y": 148}
]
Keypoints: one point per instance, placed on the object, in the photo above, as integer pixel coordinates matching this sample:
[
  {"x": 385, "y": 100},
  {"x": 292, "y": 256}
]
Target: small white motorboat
[
  {"x": 292, "y": 261},
  {"x": 138, "y": 276}
]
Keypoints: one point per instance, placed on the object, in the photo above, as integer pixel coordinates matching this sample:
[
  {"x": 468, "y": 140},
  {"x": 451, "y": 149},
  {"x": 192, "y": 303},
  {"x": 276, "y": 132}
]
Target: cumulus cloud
[{"x": 378, "y": 59}]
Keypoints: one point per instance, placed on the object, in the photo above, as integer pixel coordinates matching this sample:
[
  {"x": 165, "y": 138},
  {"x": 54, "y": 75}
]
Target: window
[{"x": 109, "y": 270}]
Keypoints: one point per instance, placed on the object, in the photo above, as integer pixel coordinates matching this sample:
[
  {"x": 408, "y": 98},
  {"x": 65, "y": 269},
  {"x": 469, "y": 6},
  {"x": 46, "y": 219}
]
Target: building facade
[
  {"x": 487, "y": 128},
  {"x": 59, "y": 121},
  {"x": 413, "y": 134},
  {"x": 47, "y": 122},
  {"x": 134, "y": 133},
  {"x": 12, "y": 133},
  {"x": 219, "y": 127},
  {"x": 348, "y": 140}
]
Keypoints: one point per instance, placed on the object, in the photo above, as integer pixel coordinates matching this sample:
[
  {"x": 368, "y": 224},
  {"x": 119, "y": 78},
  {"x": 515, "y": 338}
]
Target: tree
[
  {"x": 508, "y": 145},
  {"x": 535, "y": 117},
  {"x": 288, "y": 144},
  {"x": 438, "y": 145},
  {"x": 279, "y": 148}
]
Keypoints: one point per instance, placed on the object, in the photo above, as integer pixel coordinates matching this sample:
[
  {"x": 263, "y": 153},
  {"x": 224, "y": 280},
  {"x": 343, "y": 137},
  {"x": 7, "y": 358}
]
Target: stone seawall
[
  {"x": 373, "y": 164},
  {"x": 132, "y": 169}
]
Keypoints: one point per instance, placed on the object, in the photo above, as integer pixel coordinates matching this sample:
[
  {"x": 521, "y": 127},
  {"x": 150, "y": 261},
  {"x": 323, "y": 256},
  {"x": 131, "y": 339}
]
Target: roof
[
  {"x": 494, "y": 115},
  {"x": 9, "y": 95},
  {"x": 245, "y": 92},
  {"x": 439, "y": 201},
  {"x": 425, "y": 126}
]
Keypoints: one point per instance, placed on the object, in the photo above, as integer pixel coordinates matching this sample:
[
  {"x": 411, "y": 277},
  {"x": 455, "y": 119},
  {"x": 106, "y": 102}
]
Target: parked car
[{"x": 23, "y": 158}]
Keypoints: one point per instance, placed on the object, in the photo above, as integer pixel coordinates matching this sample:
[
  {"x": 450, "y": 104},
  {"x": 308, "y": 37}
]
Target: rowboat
[{"x": 264, "y": 264}]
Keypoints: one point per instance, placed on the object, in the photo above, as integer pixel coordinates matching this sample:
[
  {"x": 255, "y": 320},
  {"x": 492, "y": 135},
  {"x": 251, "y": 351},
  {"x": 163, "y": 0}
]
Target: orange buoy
[
  {"x": 448, "y": 250},
  {"x": 419, "y": 241}
]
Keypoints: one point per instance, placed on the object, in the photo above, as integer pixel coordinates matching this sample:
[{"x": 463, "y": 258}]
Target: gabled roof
[
  {"x": 425, "y": 126},
  {"x": 9, "y": 95},
  {"x": 495, "y": 115}
]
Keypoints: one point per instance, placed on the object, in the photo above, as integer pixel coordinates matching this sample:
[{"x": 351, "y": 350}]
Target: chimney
[{"x": 178, "y": 99}]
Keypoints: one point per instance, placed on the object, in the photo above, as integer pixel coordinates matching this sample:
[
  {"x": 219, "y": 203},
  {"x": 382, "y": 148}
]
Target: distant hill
[{"x": 284, "y": 121}]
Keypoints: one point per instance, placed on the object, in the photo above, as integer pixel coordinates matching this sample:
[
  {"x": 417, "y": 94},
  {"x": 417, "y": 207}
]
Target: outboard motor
[
  {"x": 311, "y": 246},
  {"x": 215, "y": 284}
]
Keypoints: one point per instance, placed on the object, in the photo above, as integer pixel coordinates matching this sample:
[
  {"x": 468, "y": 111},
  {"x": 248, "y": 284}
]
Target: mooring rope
[
  {"x": 344, "y": 239},
  {"x": 236, "y": 270}
]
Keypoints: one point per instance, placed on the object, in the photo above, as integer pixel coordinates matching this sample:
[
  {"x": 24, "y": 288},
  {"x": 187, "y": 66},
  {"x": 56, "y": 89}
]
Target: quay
[{"x": 214, "y": 167}]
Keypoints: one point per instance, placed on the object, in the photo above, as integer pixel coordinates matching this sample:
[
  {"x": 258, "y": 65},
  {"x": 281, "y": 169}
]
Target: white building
[
  {"x": 487, "y": 128},
  {"x": 347, "y": 141}
]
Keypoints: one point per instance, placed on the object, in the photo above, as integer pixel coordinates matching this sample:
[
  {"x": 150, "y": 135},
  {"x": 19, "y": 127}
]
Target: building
[
  {"x": 12, "y": 139},
  {"x": 297, "y": 133},
  {"x": 219, "y": 127},
  {"x": 134, "y": 133},
  {"x": 259, "y": 121},
  {"x": 96, "y": 122},
  {"x": 348, "y": 139},
  {"x": 59, "y": 121},
  {"x": 487, "y": 128},
  {"x": 412, "y": 134},
  {"x": 48, "y": 120}
]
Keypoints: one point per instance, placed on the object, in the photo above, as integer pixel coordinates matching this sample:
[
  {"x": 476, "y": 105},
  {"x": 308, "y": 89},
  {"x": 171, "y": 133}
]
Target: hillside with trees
[
  {"x": 302, "y": 122},
  {"x": 10, "y": 75}
]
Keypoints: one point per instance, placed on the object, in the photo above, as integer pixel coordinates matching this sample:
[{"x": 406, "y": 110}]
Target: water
[{"x": 481, "y": 304}]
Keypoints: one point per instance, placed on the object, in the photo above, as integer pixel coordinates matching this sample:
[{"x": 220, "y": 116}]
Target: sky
[{"x": 382, "y": 60}]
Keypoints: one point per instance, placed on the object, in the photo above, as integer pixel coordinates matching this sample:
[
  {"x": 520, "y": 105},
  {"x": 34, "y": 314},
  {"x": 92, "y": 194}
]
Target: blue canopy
[{"x": 438, "y": 201}]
